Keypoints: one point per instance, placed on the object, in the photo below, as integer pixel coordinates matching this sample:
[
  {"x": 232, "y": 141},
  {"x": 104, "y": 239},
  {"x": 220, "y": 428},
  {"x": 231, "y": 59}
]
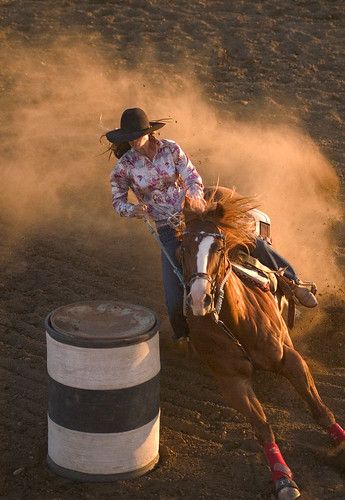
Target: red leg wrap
[
  {"x": 276, "y": 462},
  {"x": 337, "y": 433}
]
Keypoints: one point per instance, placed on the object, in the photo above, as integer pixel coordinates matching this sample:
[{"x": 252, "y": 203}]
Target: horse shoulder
[{"x": 258, "y": 321}]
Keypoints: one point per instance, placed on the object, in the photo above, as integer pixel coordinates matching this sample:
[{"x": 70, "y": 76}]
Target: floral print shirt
[{"x": 160, "y": 184}]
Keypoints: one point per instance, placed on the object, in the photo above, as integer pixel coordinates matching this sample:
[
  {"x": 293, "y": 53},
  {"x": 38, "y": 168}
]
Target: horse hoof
[
  {"x": 288, "y": 494},
  {"x": 286, "y": 489}
]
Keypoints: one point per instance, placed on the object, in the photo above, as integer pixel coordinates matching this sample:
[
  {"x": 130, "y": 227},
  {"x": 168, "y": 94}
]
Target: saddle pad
[{"x": 252, "y": 275}]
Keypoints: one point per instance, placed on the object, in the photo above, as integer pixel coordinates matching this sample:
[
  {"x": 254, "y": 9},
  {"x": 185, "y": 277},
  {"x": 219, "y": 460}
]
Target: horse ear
[
  {"x": 217, "y": 209},
  {"x": 220, "y": 209}
]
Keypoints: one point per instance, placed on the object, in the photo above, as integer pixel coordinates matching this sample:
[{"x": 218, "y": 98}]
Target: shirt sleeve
[
  {"x": 190, "y": 176},
  {"x": 119, "y": 187}
]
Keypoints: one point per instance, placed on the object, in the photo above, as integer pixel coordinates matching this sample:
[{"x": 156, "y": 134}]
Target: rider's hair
[{"x": 118, "y": 150}]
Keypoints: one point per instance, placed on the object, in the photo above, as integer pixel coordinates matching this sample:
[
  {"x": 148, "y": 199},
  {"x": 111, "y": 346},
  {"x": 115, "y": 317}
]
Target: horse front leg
[
  {"x": 233, "y": 372},
  {"x": 239, "y": 394}
]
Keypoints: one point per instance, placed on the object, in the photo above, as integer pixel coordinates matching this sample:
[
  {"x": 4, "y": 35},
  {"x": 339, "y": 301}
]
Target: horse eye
[{"x": 216, "y": 249}]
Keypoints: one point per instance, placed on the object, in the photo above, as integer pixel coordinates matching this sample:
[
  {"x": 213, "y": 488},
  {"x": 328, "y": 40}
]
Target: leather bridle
[
  {"x": 216, "y": 288},
  {"x": 220, "y": 289},
  {"x": 217, "y": 307},
  {"x": 217, "y": 293}
]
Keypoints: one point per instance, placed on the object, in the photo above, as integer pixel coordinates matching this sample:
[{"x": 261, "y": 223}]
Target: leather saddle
[{"x": 254, "y": 274}]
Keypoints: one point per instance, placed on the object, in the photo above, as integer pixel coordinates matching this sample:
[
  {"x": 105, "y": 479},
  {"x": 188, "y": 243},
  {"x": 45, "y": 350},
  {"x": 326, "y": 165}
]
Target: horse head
[
  {"x": 204, "y": 260},
  {"x": 206, "y": 242}
]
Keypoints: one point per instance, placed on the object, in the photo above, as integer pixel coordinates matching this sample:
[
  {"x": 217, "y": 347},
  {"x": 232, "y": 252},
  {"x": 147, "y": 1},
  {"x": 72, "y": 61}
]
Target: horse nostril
[{"x": 207, "y": 300}]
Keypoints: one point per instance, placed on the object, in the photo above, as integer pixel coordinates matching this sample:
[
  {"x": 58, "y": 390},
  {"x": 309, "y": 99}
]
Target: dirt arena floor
[{"x": 256, "y": 92}]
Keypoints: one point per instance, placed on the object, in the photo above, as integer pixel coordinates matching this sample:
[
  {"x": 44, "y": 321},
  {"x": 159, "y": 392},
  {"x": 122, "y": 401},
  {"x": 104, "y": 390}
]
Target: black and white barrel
[{"x": 103, "y": 370}]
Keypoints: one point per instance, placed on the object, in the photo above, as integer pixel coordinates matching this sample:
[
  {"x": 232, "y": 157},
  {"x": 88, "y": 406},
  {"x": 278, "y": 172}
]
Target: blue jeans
[
  {"x": 270, "y": 258},
  {"x": 172, "y": 286}
]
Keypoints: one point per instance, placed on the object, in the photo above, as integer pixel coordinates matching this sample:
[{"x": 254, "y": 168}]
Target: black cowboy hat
[{"x": 134, "y": 124}]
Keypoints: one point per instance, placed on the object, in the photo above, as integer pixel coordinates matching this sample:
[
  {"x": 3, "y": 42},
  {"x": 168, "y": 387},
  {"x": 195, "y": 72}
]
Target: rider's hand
[
  {"x": 197, "y": 204},
  {"x": 139, "y": 211}
]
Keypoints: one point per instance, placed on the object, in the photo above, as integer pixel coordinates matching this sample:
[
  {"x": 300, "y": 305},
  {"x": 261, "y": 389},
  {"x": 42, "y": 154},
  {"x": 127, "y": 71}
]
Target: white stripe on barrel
[
  {"x": 103, "y": 368},
  {"x": 103, "y": 381},
  {"x": 103, "y": 453}
]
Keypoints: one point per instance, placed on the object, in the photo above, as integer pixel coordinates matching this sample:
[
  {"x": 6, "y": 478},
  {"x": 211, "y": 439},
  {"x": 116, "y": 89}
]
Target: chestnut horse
[{"x": 252, "y": 333}]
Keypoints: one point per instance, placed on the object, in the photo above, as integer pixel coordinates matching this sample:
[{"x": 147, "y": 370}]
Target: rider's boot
[{"x": 304, "y": 296}]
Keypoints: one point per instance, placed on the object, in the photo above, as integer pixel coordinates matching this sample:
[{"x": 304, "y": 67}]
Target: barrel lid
[{"x": 101, "y": 324}]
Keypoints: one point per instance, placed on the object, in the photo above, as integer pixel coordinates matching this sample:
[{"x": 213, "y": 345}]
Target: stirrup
[{"x": 308, "y": 284}]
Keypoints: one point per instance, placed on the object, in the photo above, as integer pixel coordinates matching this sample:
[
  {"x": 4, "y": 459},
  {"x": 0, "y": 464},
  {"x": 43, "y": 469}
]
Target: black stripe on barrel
[{"x": 118, "y": 410}]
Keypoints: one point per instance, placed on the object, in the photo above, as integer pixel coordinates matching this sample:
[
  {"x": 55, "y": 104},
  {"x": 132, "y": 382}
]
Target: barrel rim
[
  {"x": 100, "y": 478},
  {"x": 69, "y": 339}
]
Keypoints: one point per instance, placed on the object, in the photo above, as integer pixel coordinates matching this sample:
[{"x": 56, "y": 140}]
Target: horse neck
[
  {"x": 246, "y": 306},
  {"x": 237, "y": 298}
]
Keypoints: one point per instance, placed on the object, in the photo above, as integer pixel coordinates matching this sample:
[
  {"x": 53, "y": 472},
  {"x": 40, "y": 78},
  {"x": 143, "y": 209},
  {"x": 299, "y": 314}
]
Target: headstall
[
  {"x": 215, "y": 288},
  {"x": 217, "y": 301}
]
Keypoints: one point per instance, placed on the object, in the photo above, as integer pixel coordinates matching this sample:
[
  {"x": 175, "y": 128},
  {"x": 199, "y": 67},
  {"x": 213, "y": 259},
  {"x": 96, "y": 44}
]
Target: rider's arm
[
  {"x": 190, "y": 176},
  {"x": 119, "y": 187}
]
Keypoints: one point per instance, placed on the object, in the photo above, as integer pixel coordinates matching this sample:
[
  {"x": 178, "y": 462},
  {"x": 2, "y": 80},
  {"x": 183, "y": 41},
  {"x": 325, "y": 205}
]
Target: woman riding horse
[
  {"x": 159, "y": 174},
  {"x": 162, "y": 177}
]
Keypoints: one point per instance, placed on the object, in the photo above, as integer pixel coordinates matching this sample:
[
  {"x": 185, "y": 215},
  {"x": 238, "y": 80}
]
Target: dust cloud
[{"x": 54, "y": 172}]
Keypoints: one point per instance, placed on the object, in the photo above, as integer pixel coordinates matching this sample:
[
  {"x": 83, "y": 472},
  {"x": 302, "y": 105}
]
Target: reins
[
  {"x": 172, "y": 263},
  {"x": 229, "y": 333}
]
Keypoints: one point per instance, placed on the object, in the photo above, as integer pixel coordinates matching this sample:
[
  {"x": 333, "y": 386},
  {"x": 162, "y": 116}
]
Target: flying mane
[{"x": 230, "y": 212}]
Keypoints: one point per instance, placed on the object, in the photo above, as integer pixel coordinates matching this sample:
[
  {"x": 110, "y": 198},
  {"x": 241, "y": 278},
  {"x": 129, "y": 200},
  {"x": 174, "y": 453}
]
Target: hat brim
[{"x": 118, "y": 135}]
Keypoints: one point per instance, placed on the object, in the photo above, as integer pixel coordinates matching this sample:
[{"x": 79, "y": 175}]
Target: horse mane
[{"x": 230, "y": 212}]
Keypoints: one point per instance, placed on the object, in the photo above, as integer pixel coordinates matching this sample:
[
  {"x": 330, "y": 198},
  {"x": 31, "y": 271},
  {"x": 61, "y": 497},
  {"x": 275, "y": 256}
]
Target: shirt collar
[{"x": 158, "y": 142}]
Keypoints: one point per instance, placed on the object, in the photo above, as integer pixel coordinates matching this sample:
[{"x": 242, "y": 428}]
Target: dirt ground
[{"x": 60, "y": 242}]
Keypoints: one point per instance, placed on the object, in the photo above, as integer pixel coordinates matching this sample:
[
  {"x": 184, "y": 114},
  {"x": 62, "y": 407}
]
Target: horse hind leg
[
  {"x": 240, "y": 395},
  {"x": 296, "y": 370}
]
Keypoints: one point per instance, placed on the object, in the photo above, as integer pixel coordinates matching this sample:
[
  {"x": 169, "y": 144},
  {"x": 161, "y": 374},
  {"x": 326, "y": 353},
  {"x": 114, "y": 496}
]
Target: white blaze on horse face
[{"x": 199, "y": 287}]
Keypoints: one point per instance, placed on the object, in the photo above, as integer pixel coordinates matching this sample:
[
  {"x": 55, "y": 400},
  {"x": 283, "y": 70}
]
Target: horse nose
[
  {"x": 207, "y": 301},
  {"x": 189, "y": 299}
]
